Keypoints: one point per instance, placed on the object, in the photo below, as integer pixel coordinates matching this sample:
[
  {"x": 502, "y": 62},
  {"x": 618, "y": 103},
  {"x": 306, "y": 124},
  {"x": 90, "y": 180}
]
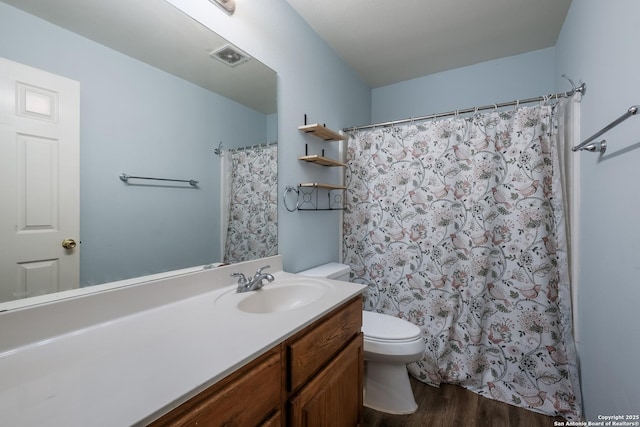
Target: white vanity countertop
[{"x": 129, "y": 370}]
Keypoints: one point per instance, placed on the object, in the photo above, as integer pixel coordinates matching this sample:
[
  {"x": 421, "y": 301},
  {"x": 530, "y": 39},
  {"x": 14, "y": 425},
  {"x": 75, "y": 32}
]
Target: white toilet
[{"x": 389, "y": 344}]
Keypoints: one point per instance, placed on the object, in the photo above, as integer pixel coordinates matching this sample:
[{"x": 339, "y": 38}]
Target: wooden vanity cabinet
[
  {"x": 314, "y": 378},
  {"x": 332, "y": 398},
  {"x": 248, "y": 397},
  {"x": 325, "y": 370}
]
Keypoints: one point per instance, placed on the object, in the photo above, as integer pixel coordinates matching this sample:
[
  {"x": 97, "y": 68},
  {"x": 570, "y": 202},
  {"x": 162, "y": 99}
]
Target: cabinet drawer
[
  {"x": 311, "y": 349},
  {"x": 244, "y": 398}
]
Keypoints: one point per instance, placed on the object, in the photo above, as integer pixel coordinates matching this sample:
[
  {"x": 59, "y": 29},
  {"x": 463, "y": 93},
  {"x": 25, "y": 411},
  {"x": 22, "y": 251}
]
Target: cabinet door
[
  {"x": 333, "y": 398},
  {"x": 243, "y": 399}
]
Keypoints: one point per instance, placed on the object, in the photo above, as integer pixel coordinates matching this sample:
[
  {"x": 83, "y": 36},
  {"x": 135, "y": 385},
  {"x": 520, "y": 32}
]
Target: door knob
[{"x": 69, "y": 244}]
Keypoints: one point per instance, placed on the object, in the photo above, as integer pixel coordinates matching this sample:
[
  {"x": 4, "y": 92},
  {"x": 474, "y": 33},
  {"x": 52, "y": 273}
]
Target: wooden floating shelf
[
  {"x": 322, "y": 132},
  {"x": 324, "y": 161},
  {"x": 325, "y": 186}
]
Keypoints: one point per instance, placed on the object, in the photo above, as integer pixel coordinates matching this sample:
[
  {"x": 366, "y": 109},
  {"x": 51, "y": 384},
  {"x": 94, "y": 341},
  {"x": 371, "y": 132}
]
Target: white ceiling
[
  {"x": 388, "y": 41},
  {"x": 384, "y": 41}
]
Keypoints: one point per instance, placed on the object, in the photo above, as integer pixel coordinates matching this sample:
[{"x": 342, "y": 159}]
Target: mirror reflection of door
[{"x": 40, "y": 186}]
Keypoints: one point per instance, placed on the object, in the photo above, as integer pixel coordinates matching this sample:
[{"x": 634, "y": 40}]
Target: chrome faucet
[{"x": 256, "y": 282}]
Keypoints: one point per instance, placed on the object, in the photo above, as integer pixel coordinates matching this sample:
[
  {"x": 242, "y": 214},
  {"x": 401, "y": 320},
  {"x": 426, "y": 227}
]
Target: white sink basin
[{"x": 280, "y": 295}]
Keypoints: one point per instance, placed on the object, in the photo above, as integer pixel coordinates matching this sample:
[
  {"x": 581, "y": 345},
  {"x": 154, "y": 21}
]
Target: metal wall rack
[{"x": 308, "y": 196}]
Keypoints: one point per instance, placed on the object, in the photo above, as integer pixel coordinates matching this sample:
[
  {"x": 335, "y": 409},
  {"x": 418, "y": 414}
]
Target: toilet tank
[{"x": 332, "y": 270}]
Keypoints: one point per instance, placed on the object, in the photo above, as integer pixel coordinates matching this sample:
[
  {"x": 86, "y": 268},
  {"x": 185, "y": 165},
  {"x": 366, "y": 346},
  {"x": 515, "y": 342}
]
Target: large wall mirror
[{"x": 154, "y": 102}]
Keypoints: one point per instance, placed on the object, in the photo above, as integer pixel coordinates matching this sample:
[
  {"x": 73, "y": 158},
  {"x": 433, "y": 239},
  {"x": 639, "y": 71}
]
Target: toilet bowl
[{"x": 390, "y": 343}]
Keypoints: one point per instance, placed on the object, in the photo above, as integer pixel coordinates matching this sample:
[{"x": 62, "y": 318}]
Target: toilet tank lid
[
  {"x": 330, "y": 270},
  {"x": 386, "y": 327}
]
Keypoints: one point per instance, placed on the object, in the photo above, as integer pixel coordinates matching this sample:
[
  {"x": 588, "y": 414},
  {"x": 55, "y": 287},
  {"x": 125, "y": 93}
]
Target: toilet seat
[
  {"x": 394, "y": 341},
  {"x": 390, "y": 338},
  {"x": 385, "y": 328}
]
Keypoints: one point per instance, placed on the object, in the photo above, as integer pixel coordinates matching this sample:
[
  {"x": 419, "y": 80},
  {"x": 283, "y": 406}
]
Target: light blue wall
[
  {"x": 516, "y": 77},
  {"x": 141, "y": 121},
  {"x": 272, "y": 127},
  {"x": 312, "y": 79},
  {"x": 599, "y": 45}
]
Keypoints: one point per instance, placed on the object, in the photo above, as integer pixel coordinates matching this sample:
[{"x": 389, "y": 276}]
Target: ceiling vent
[{"x": 230, "y": 55}]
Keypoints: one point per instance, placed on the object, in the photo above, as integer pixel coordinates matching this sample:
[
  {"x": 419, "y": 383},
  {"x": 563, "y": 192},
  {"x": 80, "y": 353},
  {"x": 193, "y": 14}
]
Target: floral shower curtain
[
  {"x": 452, "y": 224},
  {"x": 252, "y": 230}
]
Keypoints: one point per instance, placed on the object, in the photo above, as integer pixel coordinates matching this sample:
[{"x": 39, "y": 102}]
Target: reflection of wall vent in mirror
[{"x": 230, "y": 55}]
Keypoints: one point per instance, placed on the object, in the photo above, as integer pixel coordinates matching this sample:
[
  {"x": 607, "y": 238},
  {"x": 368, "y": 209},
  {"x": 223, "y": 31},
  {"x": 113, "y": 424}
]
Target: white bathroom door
[{"x": 39, "y": 182}]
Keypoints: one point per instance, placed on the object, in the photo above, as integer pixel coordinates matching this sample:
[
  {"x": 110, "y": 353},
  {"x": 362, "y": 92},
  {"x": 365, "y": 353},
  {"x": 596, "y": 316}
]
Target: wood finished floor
[{"x": 453, "y": 406}]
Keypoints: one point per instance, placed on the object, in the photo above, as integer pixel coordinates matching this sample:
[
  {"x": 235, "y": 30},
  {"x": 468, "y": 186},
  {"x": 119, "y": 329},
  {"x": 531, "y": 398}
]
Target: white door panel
[{"x": 39, "y": 170}]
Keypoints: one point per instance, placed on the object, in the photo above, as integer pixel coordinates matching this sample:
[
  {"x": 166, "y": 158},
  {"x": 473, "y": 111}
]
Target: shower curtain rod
[
  {"x": 218, "y": 151},
  {"x": 582, "y": 89},
  {"x": 249, "y": 147}
]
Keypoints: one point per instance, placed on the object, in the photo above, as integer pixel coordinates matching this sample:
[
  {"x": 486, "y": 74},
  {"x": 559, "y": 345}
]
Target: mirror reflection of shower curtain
[
  {"x": 250, "y": 208},
  {"x": 225, "y": 198}
]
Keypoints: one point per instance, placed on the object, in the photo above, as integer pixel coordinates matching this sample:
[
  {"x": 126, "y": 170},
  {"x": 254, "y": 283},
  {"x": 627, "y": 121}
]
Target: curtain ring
[{"x": 287, "y": 189}]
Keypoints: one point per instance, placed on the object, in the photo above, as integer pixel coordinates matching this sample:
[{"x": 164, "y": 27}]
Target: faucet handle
[
  {"x": 242, "y": 280},
  {"x": 259, "y": 271}
]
